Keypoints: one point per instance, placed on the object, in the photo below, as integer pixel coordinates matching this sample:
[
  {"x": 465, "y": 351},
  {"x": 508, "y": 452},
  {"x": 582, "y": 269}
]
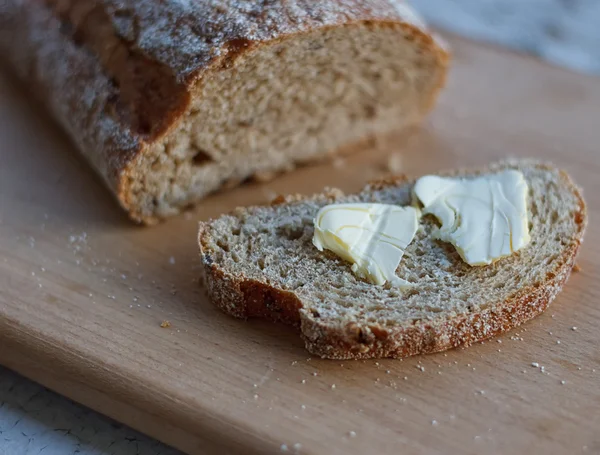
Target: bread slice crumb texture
[{"x": 260, "y": 261}]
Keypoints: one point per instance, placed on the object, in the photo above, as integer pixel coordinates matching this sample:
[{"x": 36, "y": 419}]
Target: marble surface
[
  {"x": 563, "y": 32},
  {"x": 34, "y": 420}
]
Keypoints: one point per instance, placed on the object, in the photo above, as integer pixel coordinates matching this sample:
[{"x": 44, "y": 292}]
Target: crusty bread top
[{"x": 260, "y": 261}]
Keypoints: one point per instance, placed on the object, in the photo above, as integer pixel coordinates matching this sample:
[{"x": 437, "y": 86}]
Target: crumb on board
[
  {"x": 338, "y": 162},
  {"x": 577, "y": 268},
  {"x": 394, "y": 163},
  {"x": 165, "y": 324}
]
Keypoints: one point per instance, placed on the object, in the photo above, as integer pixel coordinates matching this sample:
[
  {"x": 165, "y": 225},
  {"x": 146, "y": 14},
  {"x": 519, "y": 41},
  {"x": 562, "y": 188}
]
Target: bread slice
[
  {"x": 172, "y": 100},
  {"x": 260, "y": 261}
]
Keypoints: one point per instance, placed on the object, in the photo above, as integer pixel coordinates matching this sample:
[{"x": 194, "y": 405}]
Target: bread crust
[
  {"x": 118, "y": 76},
  {"x": 351, "y": 341}
]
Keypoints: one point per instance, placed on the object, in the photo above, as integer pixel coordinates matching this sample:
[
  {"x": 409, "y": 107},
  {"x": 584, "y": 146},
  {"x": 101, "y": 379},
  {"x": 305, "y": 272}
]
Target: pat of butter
[
  {"x": 485, "y": 218},
  {"x": 371, "y": 236}
]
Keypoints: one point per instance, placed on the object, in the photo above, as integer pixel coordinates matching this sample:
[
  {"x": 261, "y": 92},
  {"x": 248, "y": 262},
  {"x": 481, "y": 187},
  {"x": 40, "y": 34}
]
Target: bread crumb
[
  {"x": 333, "y": 386},
  {"x": 574, "y": 328},
  {"x": 263, "y": 176},
  {"x": 304, "y": 381},
  {"x": 421, "y": 367},
  {"x": 314, "y": 373},
  {"x": 303, "y": 406},
  {"x": 256, "y": 396},
  {"x": 577, "y": 268},
  {"x": 165, "y": 324},
  {"x": 297, "y": 446},
  {"x": 276, "y": 201},
  {"x": 270, "y": 195},
  {"x": 563, "y": 382},
  {"x": 557, "y": 341},
  {"x": 394, "y": 163},
  {"x": 352, "y": 434},
  {"x": 434, "y": 422},
  {"x": 535, "y": 364},
  {"x": 339, "y": 162},
  {"x": 171, "y": 260},
  {"x": 284, "y": 448}
]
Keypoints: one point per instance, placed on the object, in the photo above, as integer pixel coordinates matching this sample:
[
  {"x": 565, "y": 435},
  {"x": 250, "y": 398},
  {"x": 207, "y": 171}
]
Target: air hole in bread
[
  {"x": 370, "y": 111},
  {"x": 293, "y": 232},
  {"x": 223, "y": 245},
  {"x": 201, "y": 158},
  {"x": 433, "y": 309},
  {"x": 261, "y": 263}
]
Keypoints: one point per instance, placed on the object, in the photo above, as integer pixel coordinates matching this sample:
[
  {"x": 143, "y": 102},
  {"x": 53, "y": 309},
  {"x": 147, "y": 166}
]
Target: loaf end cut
[{"x": 173, "y": 100}]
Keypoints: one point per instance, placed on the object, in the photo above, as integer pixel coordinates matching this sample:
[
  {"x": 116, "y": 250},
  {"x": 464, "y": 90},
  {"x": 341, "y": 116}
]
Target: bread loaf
[
  {"x": 260, "y": 262},
  {"x": 171, "y": 100}
]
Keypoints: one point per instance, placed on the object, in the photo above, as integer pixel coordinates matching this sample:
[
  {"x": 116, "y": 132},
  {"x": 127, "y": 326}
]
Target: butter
[
  {"x": 485, "y": 218},
  {"x": 372, "y": 237}
]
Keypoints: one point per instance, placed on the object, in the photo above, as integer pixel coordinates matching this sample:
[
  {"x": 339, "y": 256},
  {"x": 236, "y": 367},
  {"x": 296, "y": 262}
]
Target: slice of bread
[
  {"x": 260, "y": 261},
  {"x": 171, "y": 100}
]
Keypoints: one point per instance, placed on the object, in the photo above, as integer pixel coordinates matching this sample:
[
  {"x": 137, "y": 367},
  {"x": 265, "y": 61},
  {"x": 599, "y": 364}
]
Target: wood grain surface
[{"x": 83, "y": 294}]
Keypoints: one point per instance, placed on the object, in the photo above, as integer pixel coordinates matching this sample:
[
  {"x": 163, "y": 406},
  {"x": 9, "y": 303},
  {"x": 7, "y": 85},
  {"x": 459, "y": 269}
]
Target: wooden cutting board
[{"x": 83, "y": 294}]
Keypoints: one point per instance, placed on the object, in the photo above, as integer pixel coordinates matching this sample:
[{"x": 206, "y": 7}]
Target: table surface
[{"x": 83, "y": 294}]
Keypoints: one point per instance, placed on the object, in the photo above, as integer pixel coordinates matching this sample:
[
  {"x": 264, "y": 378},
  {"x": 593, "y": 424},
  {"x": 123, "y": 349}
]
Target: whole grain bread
[
  {"x": 171, "y": 100},
  {"x": 260, "y": 261}
]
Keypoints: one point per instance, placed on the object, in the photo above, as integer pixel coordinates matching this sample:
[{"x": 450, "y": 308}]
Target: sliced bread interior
[
  {"x": 289, "y": 102},
  {"x": 260, "y": 261}
]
